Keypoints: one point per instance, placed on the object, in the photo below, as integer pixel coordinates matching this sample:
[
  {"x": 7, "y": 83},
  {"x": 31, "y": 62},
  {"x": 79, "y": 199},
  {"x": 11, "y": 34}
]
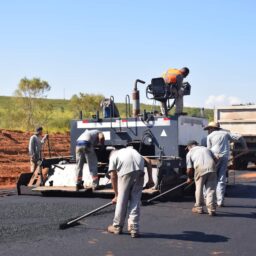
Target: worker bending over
[
  {"x": 174, "y": 77},
  {"x": 35, "y": 148},
  {"x": 218, "y": 141},
  {"x": 201, "y": 167},
  {"x": 126, "y": 168},
  {"x": 85, "y": 151}
]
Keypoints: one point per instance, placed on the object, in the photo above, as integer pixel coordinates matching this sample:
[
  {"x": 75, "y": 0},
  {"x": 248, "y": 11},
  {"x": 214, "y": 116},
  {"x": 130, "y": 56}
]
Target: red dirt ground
[{"x": 14, "y": 158}]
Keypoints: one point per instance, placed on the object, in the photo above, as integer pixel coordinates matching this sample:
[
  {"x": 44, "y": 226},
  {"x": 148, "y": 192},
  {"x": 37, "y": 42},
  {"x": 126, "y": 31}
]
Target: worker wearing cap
[
  {"x": 126, "y": 168},
  {"x": 85, "y": 151},
  {"x": 35, "y": 147},
  {"x": 175, "y": 77},
  {"x": 201, "y": 166},
  {"x": 218, "y": 142}
]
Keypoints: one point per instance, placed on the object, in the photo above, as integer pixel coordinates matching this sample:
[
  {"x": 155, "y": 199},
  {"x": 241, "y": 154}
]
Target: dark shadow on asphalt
[
  {"x": 242, "y": 191},
  {"x": 241, "y": 206},
  {"x": 251, "y": 215},
  {"x": 192, "y": 236}
]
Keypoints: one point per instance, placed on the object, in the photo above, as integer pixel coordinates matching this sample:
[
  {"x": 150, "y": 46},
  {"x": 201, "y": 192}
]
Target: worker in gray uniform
[
  {"x": 218, "y": 141},
  {"x": 85, "y": 151},
  {"x": 201, "y": 167},
  {"x": 126, "y": 168},
  {"x": 35, "y": 147}
]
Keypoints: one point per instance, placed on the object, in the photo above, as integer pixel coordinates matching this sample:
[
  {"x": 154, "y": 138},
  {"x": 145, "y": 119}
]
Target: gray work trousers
[
  {"x": 129, "y": 195},
  {"x": 86, "y": 153},
  {"x": 207, "y": 183},
  {"x": 221, "y": 168},
  {"x": 33, "y": 165}
]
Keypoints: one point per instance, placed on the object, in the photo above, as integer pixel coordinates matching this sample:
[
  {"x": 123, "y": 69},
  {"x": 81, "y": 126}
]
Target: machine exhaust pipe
[{"x": 136, "y": 98}]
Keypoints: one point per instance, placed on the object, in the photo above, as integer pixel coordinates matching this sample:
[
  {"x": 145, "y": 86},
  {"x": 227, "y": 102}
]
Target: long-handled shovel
[
  {"x": 72, "y": 222},
  {"x": 147, "y": 202}
]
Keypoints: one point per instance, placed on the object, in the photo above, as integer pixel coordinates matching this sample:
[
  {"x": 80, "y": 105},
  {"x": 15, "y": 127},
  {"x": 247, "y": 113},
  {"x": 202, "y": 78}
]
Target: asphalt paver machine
[{"x": 156, "y": 135}]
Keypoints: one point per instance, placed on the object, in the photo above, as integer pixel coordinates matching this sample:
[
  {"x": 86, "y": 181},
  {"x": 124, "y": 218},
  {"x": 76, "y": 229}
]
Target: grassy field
[
  {"x": 62, "y": 112},
  {"x": 59, "y": 117}
]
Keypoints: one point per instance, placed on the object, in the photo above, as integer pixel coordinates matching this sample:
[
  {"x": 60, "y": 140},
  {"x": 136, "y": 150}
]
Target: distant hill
[{"x": 62, "y": 113}]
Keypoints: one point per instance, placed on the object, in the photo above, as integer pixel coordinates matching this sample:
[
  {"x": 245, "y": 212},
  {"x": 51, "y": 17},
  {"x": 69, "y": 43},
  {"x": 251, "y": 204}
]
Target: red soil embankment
[{"x": 14, "y": 158}]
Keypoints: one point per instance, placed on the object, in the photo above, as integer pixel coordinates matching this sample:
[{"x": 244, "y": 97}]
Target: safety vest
[{"x": 170, "y": 76}]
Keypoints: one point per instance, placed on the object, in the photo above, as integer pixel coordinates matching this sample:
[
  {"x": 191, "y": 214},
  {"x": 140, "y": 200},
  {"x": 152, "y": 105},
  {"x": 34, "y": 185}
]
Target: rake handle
[
  {"x": 89, "y": 213},
  {"x": 166, "y": 192}
]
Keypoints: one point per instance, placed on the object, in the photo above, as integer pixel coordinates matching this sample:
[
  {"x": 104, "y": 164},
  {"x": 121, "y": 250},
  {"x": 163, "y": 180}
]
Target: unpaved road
[{"x": 29, "y": 226}]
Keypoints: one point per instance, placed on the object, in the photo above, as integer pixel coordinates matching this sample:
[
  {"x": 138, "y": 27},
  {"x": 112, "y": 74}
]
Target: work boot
[
  {"x": 114, "y": 229},
  {"x": 79, "y": 185},
  {"x": 133, "y": 231},
  {"x": 197, "y": 210},
  {"x": 95, "y": 184},
  {"x": 211, "y": 210},
  {"x": 212, "y": 213}
]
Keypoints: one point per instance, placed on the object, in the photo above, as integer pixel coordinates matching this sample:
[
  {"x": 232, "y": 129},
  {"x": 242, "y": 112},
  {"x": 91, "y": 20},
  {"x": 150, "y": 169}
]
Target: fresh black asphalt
[{"x": 29, "y": 226}]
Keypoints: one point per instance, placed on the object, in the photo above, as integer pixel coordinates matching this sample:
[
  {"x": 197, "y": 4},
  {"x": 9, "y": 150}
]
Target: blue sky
[{"x": 103, "y": 46}]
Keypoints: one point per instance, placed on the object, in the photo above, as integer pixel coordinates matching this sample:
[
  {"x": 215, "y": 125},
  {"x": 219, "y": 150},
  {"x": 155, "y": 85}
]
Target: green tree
[
  {"x": 30, "y": 104},
  {"x": 87, "y": 103}
]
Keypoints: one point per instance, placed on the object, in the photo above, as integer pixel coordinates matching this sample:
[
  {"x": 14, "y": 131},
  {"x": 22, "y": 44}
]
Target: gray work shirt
[
  {"x": 35, "y": 146},
  {"x": 126, "y": 160},
  {"x": 89, "y": 135},
  {"x": 218, "y": 142},
  {"x": 201, "y": 159}
]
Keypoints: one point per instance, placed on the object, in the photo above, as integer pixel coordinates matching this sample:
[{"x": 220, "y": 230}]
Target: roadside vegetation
[{"x": 29, "y": 108}]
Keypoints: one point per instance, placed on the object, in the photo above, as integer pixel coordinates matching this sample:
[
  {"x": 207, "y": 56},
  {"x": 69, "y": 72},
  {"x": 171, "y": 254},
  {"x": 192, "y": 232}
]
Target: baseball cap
[
  {"x": 190, "y": 143},
  {"x": 39, "y": 129}
]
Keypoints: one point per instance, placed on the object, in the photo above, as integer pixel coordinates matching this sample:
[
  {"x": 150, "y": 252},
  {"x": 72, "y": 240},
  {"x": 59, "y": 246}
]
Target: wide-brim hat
[{"x": 212, "y": 125}]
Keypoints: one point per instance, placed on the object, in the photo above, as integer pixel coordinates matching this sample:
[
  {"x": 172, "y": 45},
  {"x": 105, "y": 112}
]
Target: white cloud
[{"x": 221, "y": 100}]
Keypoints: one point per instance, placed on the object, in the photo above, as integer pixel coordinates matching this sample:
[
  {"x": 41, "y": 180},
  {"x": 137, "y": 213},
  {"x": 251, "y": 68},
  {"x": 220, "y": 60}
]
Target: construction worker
[
  {"x": 174, "y": 77},
  {"x": 201, "y": 167},
  {"x": 35, "y": 147},
  {"x": 85, "y": 151},
  {"x": 126, "y": 168},
  {"x": 218, "y": 142}
]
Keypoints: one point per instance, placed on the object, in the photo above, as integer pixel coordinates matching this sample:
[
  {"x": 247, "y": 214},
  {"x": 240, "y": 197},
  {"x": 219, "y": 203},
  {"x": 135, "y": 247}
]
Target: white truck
[{"x": 239, "y": 119}]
